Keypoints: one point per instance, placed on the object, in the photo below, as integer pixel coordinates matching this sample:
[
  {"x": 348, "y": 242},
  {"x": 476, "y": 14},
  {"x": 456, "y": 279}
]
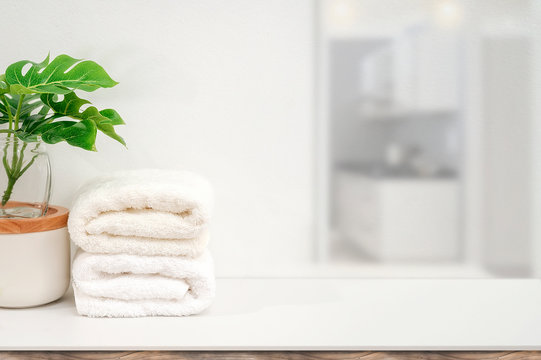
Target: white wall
[
  {"x": 507, "y": 74},
  {"x": 220, "y": 87}
]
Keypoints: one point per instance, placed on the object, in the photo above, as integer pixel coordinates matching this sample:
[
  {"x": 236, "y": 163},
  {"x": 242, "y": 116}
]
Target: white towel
[
  {"x": 122, "y": 285},
  {"x": 144, "y": 212}
]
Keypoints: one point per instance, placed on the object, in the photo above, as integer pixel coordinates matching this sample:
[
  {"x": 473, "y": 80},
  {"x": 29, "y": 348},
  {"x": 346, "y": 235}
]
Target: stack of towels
[{"x": 142, "y": 238}]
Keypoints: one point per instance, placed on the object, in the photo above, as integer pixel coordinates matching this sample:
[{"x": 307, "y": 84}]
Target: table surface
[{"x": 306, "y": 314}]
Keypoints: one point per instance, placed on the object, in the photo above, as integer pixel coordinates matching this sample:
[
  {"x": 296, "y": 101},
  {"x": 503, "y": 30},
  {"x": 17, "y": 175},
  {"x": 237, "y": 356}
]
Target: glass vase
[{"x": 25, "y": 181}]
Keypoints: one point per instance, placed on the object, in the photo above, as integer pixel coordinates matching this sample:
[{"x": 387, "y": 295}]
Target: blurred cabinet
[
  {"x": 376, "y": 75},
  {"x": 426, "y": 70},
  {"x": 417, "y": 71},
  {"x": 399, "y": 219}
]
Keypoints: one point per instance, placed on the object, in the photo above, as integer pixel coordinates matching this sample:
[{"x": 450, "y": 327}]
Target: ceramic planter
[{"x": 34, "y": 259}]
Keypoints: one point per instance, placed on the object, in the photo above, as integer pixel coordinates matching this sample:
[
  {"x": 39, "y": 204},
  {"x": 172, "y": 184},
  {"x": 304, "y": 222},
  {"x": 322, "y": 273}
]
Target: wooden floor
[{"x": 271, "y": 355}]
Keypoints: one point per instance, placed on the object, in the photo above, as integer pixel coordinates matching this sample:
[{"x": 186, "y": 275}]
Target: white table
[{"x": 306, "y": 314}]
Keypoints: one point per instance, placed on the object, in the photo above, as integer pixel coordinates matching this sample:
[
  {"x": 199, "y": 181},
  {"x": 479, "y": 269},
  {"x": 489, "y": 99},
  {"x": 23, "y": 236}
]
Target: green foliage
[
  {"x": 29, "y": 104},
  {"x": 63, "y": 75},
  {"x": 28, "y": 86},
  {"x": 71, "y": 106},
  {"x": 4, "y": 87},
  {"x": 76, "y": 133},
  {"x": 31, "y": 107}
]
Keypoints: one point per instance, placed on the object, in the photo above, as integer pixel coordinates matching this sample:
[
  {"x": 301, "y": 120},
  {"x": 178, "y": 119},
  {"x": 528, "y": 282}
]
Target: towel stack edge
[{"x": 143, "y": 245}]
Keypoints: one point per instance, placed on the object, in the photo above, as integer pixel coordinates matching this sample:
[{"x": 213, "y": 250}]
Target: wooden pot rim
[{"x": 56, "y": 218}]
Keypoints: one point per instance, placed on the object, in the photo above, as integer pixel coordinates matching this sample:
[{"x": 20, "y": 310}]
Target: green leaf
[
  {"x": 4, "y": 117},
  {"x": 77, "y": 133},
  {"x": 4, "y": 86},
  {"x": 26, "y": 137},
  {"x": 113, "y": 116},
  {"x": 71, "y": 106},
  {"x": 30, "y": 103},
  {"x": 103, "y": 123},
  {"x": 44, "y": 110},
  {"x": 63, "y": 75},
  {"x": 32, "y": 124},
  {"x": 3, "y": 109}
]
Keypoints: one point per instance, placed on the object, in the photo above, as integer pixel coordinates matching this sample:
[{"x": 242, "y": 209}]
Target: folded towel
[
  {"x": 143, "y": 212},
  {"x": 122, "y": 285}
]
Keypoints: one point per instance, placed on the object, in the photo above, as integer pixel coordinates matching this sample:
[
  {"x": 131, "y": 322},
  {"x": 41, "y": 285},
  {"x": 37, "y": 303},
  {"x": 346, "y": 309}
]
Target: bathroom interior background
[{"x": 344, "y": 138}]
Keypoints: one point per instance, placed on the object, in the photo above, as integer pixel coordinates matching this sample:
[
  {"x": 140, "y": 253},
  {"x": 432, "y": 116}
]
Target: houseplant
[{"x": 38, "y": 106}]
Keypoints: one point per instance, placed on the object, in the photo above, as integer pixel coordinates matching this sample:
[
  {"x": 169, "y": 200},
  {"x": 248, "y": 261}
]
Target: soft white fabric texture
[
  {"x": 144, "y": 212},
  {"x": 123, "y": 285}
]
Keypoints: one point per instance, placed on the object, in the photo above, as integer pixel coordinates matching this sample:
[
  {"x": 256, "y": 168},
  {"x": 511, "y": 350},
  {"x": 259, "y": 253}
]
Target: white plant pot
[{"x": 34, "y": 266}]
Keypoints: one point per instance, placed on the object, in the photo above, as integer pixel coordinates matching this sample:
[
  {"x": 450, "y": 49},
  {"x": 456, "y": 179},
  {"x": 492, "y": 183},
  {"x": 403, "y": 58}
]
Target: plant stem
[
  {"x": 13, "y": 173},
  {"x": 15, "y": 156},
  {"x": 10, "y": 171},
  {"x": 21, "y": 172},
  {"x": 8, "y": 109},
  {"x": 21, "y": 157},
  {"x": 9, "y": 189},
  {"x": 17, "y": 170},
  {"x": 18, "y": 113}
]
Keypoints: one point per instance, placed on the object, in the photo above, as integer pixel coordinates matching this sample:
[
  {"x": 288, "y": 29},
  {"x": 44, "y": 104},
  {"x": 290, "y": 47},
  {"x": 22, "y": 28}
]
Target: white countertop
[{"x": 302, "y": 314}]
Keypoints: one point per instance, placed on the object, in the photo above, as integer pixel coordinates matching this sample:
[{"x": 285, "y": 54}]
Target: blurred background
[
  {"x": 344, "y": 138},
  {"x": 429, "y": 126}
]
